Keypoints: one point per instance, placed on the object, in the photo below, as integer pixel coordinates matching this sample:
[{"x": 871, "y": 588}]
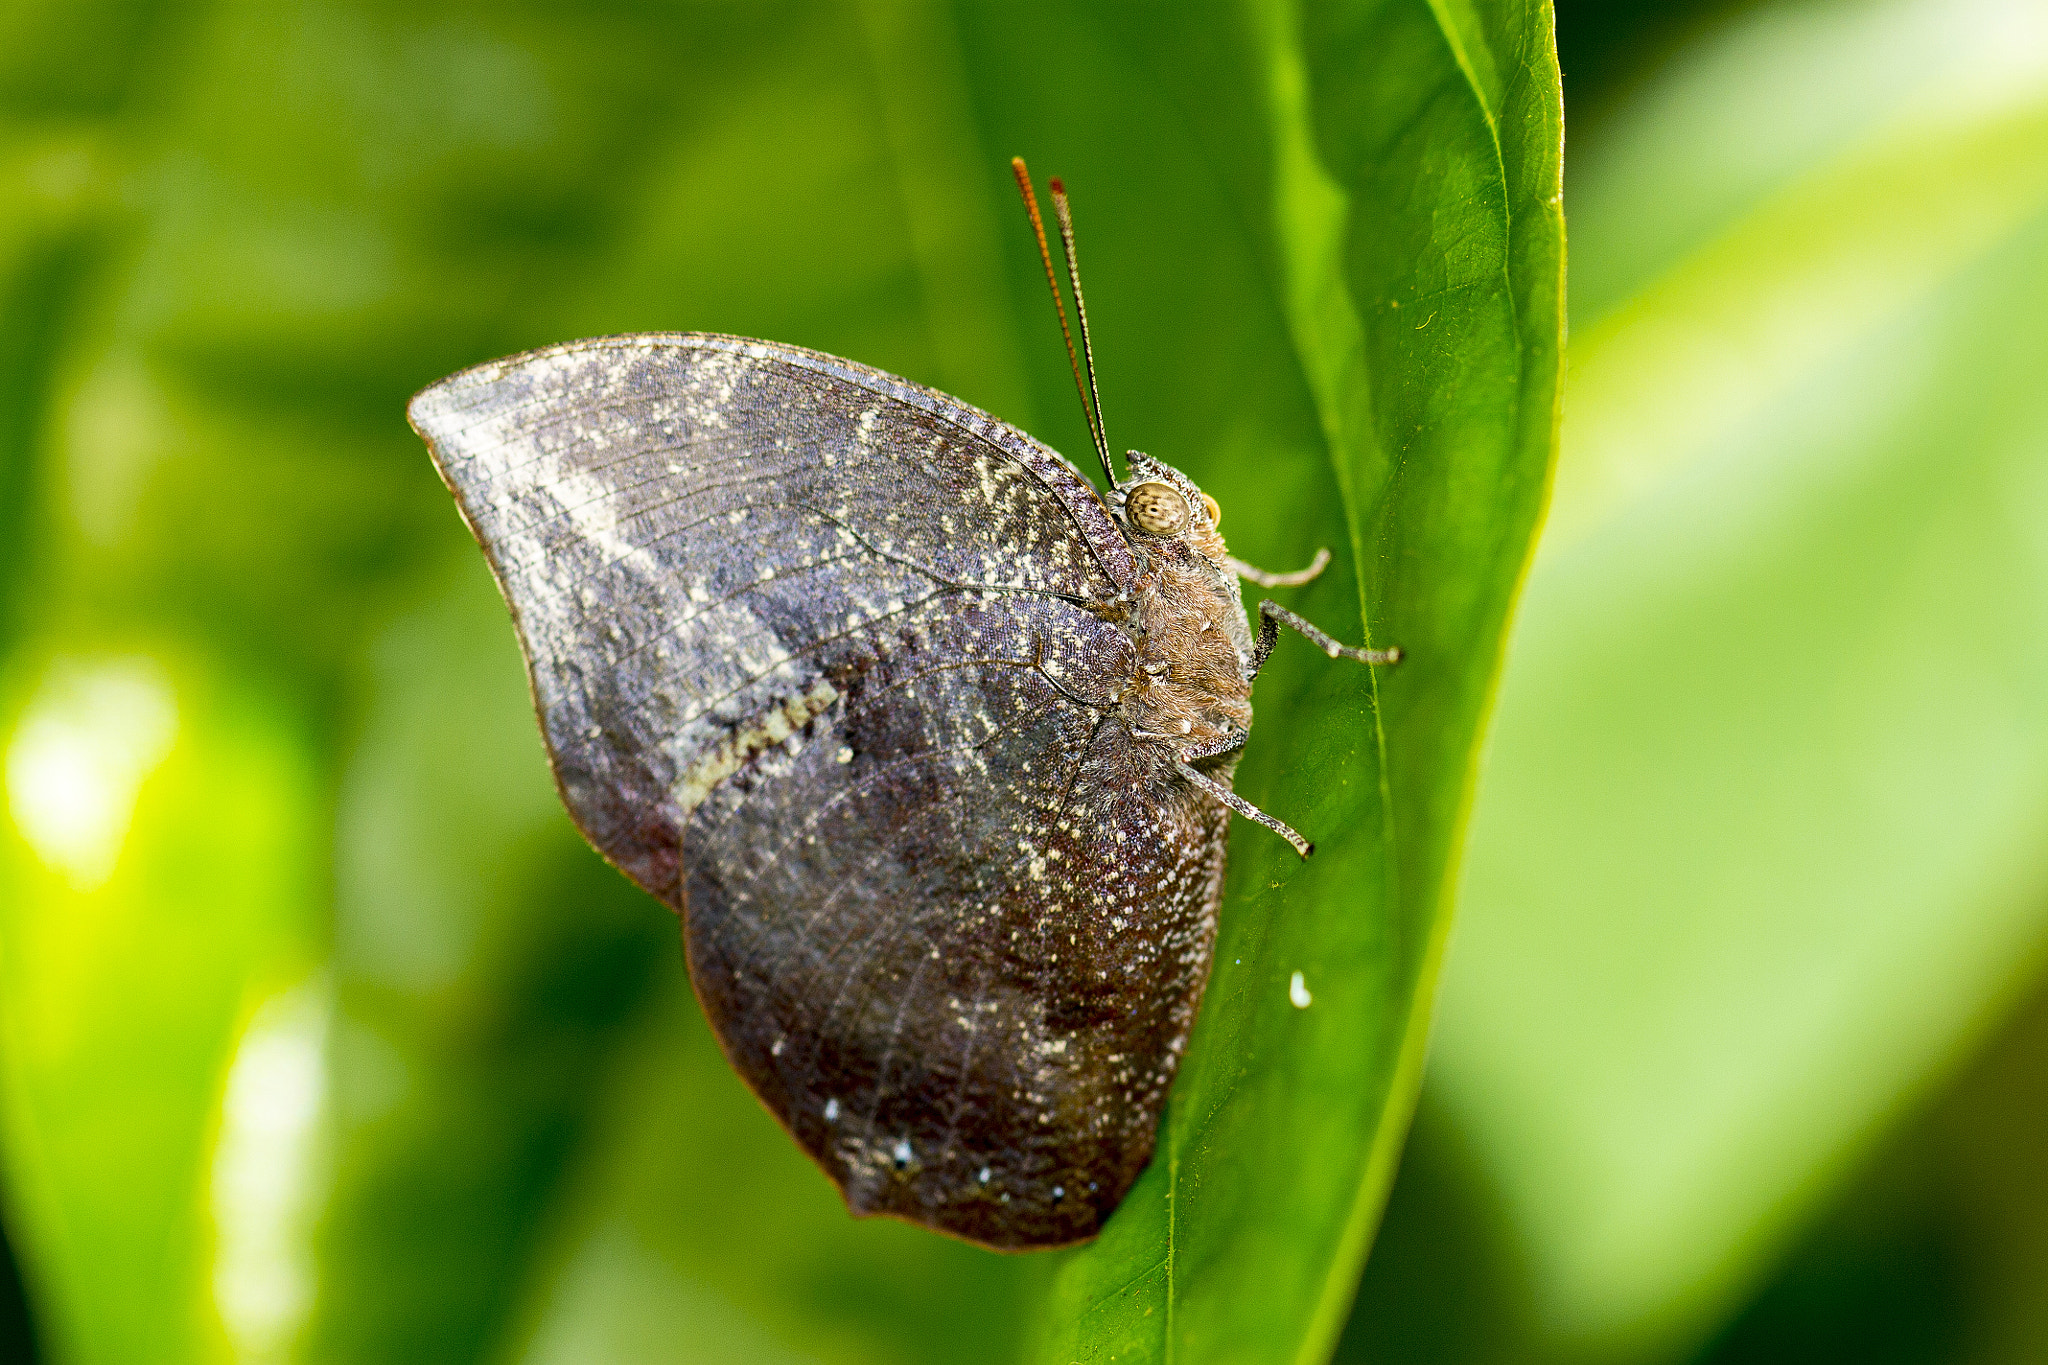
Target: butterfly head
[{"x": 1160, "y": 508}]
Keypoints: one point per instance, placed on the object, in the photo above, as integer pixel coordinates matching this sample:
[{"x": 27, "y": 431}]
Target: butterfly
[{"x": 928, "y": 741}]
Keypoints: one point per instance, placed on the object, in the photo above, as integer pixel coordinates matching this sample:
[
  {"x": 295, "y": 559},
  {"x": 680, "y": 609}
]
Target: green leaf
[
  {"x": 1410, "y": 194},
  {"x": 1758, "y": 853}
]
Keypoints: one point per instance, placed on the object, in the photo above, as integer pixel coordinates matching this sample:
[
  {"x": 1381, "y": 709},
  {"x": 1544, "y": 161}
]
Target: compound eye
[
  {"x": 1215, "y": 512},
  {"x": 1157, "y": 509}
]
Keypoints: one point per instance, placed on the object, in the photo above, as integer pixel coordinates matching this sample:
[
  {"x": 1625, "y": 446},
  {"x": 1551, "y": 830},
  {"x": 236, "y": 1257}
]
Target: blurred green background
[{"x": 340, "y": 1046}]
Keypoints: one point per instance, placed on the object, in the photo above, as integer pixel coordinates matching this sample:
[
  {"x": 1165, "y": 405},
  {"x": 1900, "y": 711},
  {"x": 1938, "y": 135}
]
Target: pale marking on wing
[
  {"x": 614, "y": 492},
  {"x": 863, "y": 433},
  {"x": 557, "y": 369},
  {"x": 506, "y": 435},
  {"x": 790, "y": 656},
  {"x": 1080, "y": 761},
  {"x": 972, "y": 1030},
  {"x": 585, "y": 577},
  {"x": 526, "y": 533},
  {"x": 1024, "y": 589},
  {"x": 856, "y": 788},
  {"x": 731, "y": 753},
  {"x": 596, "y": 521}
]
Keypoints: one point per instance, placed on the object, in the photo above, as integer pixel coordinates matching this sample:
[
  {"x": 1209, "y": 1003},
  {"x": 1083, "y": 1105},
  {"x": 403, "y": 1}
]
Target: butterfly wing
[{"x": 830, "y": 662}]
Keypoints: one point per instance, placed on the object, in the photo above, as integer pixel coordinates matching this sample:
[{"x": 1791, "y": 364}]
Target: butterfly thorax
[{"x": 1191, "y": 685}]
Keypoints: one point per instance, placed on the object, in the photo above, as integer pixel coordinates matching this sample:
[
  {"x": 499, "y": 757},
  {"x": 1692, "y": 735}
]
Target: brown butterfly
[{"x": 928, "y": 742}]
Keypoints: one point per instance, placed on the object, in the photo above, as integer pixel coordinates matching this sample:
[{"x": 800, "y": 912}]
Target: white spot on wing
[{"x": 731, "y": 753}]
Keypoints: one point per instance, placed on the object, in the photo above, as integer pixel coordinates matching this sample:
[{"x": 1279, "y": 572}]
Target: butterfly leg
[
  {"x": 1244, "y": 807},
  {"x": 1216, "y": 748},
  {"x": 1282, "y": 580},
  {"x": 1272, "y": 616}
]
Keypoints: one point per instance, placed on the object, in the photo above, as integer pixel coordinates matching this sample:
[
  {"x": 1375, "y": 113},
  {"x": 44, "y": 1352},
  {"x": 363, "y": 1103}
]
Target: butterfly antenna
[
  {"x": 1066, "y": 217},
  {"x": 1052, "y": 282}
]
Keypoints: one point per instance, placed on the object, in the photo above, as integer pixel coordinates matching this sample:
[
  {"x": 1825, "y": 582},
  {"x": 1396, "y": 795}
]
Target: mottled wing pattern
[{"x": 830, "y": 662}]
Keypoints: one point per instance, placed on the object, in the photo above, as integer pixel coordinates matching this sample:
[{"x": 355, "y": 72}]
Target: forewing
[
  {"x": 821, "y": 657},
  {"x": 690, "y": 528}
]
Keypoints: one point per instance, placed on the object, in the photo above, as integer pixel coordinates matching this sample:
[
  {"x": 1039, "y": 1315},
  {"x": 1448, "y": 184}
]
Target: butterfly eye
[
  {"x": 1157, "y": 509},
  {"x": 1215, "y": 512}
]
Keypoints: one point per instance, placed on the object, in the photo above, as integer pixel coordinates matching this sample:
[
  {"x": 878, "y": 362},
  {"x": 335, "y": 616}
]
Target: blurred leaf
[
  {"x": 483, "y": 956},
  {"x": 156, "y": 881},
  {"x": 157, "y": 855},
  {"x": 1888, "y": 1274},
  {"x": 53, "y": 193},
  {"x": 1938, "y": 1247},
  {"x": 1989, "y": 1138},
  {"x": 17, "y": 1328},
  {"x": 1759, "y": 848},
  {"x": 1443, "y": 1284}
]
